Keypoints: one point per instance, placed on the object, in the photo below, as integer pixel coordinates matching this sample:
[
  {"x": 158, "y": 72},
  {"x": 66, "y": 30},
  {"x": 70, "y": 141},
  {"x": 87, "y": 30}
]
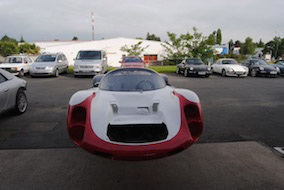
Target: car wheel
[
  {"x": 67, "y": 70},
  {"x": 253, "y": 73},
  {"x": 21, "y": 73},
  {"x": 224, "y": 73},
  {"x": 21, "y": 102},
  {"x": 56, "y": 74},
  {"x": 177, "y": 71},
  {"x": 185, "y": 72}
]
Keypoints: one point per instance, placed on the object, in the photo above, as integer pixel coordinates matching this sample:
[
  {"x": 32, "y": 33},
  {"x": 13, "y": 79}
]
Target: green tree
[
  {"x": 238, "y": 43},
  {"x": 152, "y": 37},
  {"x": 134, "y": 50},
  {"x": 219, "y": 37},
  {"x": 22, "y": 39},
  {"x": 176, "y": 47},
  {"x": 5, "y": 38},
  {"x": 274, "y": 47},
  {"x": 187, "y": 45},
  {"x": 231, "y": 46},
  {"x": 75, "y": 38},
  {"x": 211, "y": 40},
  {"x": 29, "y": 48},
  {"x": 260, "y": 44},
  {"x": 8, "y": 48},
  {"x": 248, "y": 48}
]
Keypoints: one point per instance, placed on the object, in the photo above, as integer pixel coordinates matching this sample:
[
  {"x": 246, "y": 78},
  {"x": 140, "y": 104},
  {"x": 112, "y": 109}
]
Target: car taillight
[
  {"x": 77, "y": 133},
  {"x": 194, "y": 122},
  {"x": 76, "y": 127},
  {"x": 79, "y": 115}
]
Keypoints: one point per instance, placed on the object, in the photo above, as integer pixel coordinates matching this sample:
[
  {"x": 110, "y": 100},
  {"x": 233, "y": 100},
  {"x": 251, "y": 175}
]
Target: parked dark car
[
  {"x": 258, "y": 67},
  {"x": 193, "y": 66},
  {"x": 280, "y": 66}
]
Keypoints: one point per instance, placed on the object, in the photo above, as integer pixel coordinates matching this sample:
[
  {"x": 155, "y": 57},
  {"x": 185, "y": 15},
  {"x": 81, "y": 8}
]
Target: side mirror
[
  {"x": 60, "y": 61},
  {"x": 120, "y": 61},
  {"x": 104, "y": 58},
  {"x": 97, "y": 79}
]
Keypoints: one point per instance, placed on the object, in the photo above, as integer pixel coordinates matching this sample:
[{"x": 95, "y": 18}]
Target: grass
[{"x": 159, "y": 69}]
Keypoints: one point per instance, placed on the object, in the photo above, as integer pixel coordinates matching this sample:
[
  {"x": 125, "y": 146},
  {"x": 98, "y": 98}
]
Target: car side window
[
  {"x": 64, "y": 57},
  {"x": 59, "y": 58},
  {"x": 2, "y": 78}
]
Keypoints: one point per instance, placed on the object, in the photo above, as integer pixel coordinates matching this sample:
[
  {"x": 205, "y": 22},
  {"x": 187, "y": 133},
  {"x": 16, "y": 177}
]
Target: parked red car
[{"x": 132, "y": 61}]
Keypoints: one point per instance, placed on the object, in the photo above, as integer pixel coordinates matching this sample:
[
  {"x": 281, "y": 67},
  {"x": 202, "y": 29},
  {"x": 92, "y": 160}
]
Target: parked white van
[
  {"x": 17, "y": 65},
  {"x": 90, "y": 62}
]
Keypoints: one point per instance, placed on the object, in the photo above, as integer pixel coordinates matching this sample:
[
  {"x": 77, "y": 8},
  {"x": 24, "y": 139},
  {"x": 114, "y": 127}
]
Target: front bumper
[
  {"x": 42, "y": 72},
  {"x": 199, "y": 73},
  {"x": 237, "y": 73},
  {"x": 267, "y": 73},
  {"x": 14, "y": 72},
  {"x": 86, "y": 72}
]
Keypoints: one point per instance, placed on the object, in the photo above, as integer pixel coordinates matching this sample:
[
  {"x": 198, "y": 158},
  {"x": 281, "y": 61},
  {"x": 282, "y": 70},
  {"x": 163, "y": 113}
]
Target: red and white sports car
[{"x": 131, "y": 114}]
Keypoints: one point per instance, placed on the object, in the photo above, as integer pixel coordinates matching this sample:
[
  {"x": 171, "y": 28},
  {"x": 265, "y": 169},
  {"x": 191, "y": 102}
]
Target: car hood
[
  {"x": 277, "y": 65},
  {"x": 266, "y": 67},
  {"x": 198, "y": 67},
  {"x": 236, "y": 67},
  {"x": 43, "y": 64},
  {"x": 9, "y": 65},
  {"x": 123, "y": 108},
  {"x": 88, "y": 61}
]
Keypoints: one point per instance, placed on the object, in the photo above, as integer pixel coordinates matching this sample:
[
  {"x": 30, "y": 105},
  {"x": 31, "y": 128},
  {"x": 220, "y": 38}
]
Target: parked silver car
[
  {"x": 17, "y": 65},
  {"x": 90, "y": 62},
  {"x": 12, "y": 95},
  {"x": 50, "y": 64}
]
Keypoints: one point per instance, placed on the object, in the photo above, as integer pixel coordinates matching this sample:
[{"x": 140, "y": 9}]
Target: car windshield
[
  {"x": 89, "y": 55},
  {"x": 194, "y": 62},
  {"x": 132, "y": 79},
  {"x": 13, "y": 60},
  {"x": 258, "y": 62},
  {"x": 229, "y": 62},
  {"x": 46, "y": 58},
  {"x": 132, "y": 59}
]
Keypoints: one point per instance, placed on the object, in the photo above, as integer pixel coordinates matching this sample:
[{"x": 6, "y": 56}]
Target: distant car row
[
  {"x": 230, "y": 67},
  {"x": 89, "y": 62}
]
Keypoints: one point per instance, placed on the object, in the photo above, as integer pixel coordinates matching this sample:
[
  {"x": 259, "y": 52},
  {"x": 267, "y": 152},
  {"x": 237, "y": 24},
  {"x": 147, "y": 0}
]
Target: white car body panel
[{"x": 134, "y": 108}]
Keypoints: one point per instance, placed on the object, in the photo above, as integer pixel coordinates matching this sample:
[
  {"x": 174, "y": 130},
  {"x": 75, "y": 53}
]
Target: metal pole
[{"x": 93, "y": 25}]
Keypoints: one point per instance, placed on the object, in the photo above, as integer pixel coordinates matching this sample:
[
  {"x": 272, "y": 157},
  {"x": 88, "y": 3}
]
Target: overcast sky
[{"x": 62, "y": 19}]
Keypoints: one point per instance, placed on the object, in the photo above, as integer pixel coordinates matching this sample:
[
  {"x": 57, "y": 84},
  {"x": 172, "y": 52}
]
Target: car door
[
  {"x": 4, "y": 92},
  {"x": 26, "y": 64},
  {"x": 60, "y": 63},
  {"x": 216, "y": 66},
  {"x": 105, "y": 65},
  {"x": 182, "y": 65}
]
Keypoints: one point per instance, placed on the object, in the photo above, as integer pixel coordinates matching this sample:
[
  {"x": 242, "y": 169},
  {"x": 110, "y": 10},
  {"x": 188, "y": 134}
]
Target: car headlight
[
  {"x": 231, "y": 70},
  {"x": 14, "y": 68},
  {"x": 208, "y": 68},
  {"x": 191, "y": 68},
  {"x": 277, "y": 68},
  {"x": 261, "y": 68},
  {"x": 49, "y": 68},
  {"x": 245, "y": 68},
  {"x": 98, "y": 66}
]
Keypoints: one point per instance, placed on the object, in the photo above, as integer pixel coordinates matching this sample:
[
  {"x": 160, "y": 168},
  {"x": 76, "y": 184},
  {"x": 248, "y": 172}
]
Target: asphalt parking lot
[
  {"x": 235, "y": 109},
  {"x": 36, "y": 152}
]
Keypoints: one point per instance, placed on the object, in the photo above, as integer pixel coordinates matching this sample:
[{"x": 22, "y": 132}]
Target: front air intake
[{"x": 137, "y": 133}]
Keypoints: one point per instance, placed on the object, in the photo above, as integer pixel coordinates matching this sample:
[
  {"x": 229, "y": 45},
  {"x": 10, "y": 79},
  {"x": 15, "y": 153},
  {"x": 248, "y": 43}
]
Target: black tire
[
  {"x": 21, "y": 73},
  {"x": 21, "y": 102},
  {"x": 253, "y": 73},
  {"x": 224, "y": 73},
  {"x": 177, "y": 71},
  {"x": 56, "y": 73},
  {"x": 185, "y": 73}
]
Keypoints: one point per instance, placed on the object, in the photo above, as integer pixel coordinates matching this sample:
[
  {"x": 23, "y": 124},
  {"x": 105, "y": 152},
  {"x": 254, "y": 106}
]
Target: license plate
[
  {"x": 201, "y": 73},
  {"x": 273, "y": 72},
  {"x": 85, "y": 71}
]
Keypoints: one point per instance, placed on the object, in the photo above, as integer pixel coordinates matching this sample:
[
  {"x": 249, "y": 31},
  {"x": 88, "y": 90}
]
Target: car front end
[
  {"x": 237, "y": 71},
  {"x": 42, "y": 69},
  {"x": 87, "y": 67},
  {"x": 12, "y": 68},
  {"x": 197, "y": 70},
  {"x": 267, "y": 71}
]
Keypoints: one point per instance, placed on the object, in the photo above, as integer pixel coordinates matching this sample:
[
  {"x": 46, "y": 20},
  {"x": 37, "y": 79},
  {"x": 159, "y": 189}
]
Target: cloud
[{"x": 54, "y": 19}]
